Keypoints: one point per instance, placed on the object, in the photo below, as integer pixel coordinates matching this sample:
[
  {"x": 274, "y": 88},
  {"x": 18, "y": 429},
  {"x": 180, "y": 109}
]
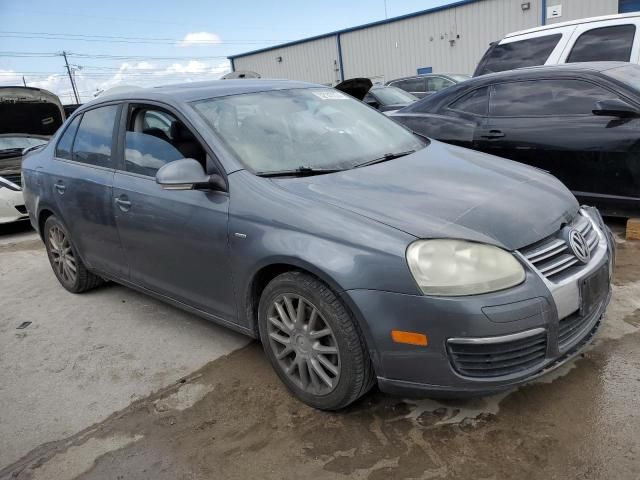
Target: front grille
[
  {"x": 552, "y": 256},
  {"x": 497, "y": 358},
  {"x": 570, "y": 327},
  {"x": 13, "y": 178}
]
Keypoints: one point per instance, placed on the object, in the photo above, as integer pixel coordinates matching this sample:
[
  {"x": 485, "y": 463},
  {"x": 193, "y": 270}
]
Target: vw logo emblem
[{"x": 579, "y": 246}]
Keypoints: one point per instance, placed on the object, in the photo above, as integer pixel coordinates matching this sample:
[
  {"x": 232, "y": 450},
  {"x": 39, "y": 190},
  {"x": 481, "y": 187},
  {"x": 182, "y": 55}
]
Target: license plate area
[{"x": 593, "y": 290}]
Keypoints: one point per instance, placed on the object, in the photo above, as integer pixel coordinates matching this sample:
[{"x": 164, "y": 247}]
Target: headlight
[{"x": 457, "y": 267}]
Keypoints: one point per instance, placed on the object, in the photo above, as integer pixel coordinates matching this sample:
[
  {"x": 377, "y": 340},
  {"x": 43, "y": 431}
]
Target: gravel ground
[{"x": 156, "y": 402}]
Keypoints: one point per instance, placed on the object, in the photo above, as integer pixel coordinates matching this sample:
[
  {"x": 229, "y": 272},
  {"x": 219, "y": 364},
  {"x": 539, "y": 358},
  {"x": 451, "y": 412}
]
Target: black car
[
  {"x": 580, "y": 122},
  {"x": 426, "y": 84}
]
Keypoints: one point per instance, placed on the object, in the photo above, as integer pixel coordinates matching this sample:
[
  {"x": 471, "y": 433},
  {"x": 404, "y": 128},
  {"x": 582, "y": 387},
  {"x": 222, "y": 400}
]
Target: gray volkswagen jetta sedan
[{"x": 357, "y": 252}]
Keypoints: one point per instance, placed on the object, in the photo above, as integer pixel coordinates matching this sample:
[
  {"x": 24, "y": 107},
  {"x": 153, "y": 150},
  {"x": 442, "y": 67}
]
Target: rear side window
[
  {"x": 411, "y": 85},
  {"x": 95, "y": 137},
  {"x": 604, "y": 44},
  {"x": 476, "y": 102},
  {"x": 546, "y": 98},
  {"x": 523, "y": 53},
  {"x": 63, "y": 149}
]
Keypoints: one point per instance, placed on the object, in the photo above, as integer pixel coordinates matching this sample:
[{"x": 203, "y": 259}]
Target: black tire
[
  {"x": 356, "y": 375},
  {"x": 83, "y": 279}
]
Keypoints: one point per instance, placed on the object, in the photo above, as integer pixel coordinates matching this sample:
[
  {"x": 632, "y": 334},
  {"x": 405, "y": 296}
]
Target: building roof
[{"x": 428, "y": 11}]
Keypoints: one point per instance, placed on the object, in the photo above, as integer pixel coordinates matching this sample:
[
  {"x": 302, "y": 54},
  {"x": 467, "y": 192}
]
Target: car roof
[
  {"x": 583, "y": 67},
  {"x": 193, "y": 91},
  {"x": 425, "y": 75},
  {"x": 569, "y": 23}
]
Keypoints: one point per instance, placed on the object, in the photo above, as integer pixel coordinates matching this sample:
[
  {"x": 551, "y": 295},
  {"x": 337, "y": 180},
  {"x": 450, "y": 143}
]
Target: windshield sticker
[{"x": 329, "y": 94}]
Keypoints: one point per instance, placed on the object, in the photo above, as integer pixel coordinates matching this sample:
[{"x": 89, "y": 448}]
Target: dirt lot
[{"x": 232, "y": 419}]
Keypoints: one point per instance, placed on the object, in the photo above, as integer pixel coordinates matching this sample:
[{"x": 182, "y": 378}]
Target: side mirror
[
  {"x": 615, "y": 108},
  {"x": 372, "y": 103},
  {"x": 188, "y": 174}
]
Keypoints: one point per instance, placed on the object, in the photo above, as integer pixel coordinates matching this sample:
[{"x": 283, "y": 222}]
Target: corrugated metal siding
[
  {"x": 314, "y": 61},
  {"x": 396, "y": 49},
  {"x": 575, "y": 9}
]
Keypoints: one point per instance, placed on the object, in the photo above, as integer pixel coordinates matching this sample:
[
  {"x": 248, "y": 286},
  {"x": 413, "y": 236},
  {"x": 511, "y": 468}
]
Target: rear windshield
[{"x": 523, "y": 53}]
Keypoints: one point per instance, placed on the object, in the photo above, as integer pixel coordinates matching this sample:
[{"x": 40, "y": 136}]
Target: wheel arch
[{"x": 271, "y": 269}]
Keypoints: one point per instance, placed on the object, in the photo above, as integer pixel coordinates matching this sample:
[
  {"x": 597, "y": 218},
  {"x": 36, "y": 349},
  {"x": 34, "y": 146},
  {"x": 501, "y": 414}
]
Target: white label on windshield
[{"x": 329, "y": 94}]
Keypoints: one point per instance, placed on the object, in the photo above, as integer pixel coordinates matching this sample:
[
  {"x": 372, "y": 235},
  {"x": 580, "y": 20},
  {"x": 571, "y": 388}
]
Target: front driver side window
[{"x": 155, "y": 138}]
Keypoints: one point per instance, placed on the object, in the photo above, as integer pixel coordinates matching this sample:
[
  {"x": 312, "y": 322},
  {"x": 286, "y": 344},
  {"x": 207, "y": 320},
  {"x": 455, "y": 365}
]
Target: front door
[
  {"x": 550, "y": 124},
  {"x": 175, "y": 241}
]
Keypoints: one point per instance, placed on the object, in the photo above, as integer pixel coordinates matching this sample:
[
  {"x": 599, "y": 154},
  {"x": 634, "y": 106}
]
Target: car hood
[
  {"x": 31, "y": 111},
  {"x": 444, "y": 191}
]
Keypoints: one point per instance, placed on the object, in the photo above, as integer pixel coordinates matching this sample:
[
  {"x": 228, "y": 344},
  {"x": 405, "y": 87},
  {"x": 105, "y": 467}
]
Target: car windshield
[
  {"x": 629, "y": 75},
  {"x": 393, "y": 96},
  {"x": 311, "y": 128},
  {"x": 11, "y": 142}
]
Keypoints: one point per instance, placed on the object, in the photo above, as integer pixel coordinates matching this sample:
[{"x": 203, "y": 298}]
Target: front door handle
[
  {"x": 60, "y": 188},
  {"x": 493, "y": 134},
  {"x": 123, "y": 203}
]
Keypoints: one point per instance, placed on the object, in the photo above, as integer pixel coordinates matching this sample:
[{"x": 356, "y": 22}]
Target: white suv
[{"x": 609, "y": 38}]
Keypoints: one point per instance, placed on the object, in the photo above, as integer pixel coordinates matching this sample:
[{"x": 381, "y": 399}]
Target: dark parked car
[
  {"x": 357, "y": 252},
  {"x": 385, "y": 99},
  {"x": 422, "y": 85},
  {"x": 580, "y": 122}
]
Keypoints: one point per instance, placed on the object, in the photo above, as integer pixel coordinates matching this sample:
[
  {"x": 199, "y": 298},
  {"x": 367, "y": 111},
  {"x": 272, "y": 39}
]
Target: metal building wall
[
  {"x": 574, "y": 9},
  {"x": 448, "y": 40},
  {"x": 398, "y": 49},
  {"x": 313, "y": 61}
]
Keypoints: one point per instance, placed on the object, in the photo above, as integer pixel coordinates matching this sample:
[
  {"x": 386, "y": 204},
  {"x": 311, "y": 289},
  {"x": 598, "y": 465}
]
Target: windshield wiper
[
  {"x": 301, "y": 171},
  {"x": 384, "y": 158}
]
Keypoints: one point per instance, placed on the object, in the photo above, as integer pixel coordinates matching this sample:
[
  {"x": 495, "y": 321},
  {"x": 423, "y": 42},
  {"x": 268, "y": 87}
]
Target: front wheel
[
  {"x": 313, "y": 342},
  {"x": 64, "y": 259}
]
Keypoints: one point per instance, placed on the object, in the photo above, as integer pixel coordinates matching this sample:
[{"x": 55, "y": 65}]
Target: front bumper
[
  {"x": 527, "y": 316},
  {"x": 12, "y": 206}
]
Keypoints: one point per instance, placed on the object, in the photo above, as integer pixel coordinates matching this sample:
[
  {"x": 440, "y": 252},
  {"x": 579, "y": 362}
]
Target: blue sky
[{"x": 193, "y": 37}]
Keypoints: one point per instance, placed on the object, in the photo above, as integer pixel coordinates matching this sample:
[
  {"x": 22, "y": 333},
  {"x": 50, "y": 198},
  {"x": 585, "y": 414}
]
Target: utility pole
[
  {"x": 385, "y": 10},
  {"x": 73, "y": 84},
  {"x": 24, "y": 82}
]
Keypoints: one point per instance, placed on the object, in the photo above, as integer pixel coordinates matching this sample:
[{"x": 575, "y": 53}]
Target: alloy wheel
[
  {"x": 62, "y": 258},
  {"x": 304, "y": 344}
]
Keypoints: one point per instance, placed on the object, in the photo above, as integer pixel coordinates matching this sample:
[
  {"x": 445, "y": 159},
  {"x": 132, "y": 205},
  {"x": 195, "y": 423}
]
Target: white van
[{"x": 608, "y": 38}]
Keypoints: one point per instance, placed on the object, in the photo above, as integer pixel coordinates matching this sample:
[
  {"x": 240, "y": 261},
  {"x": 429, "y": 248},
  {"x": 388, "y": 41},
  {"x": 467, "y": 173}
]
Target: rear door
[
  {"x": 82, "y": 175},
  {"x": 175, "y": 240},
  {"x": 549, "y": 123}
]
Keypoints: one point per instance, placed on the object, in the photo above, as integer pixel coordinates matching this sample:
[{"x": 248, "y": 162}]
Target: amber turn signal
[{"x": 410, "y": 338}]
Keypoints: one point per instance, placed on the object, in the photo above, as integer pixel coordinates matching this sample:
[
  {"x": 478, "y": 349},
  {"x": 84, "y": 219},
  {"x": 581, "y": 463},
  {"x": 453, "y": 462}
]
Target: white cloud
[
  {"x": 141, "y": 74},
  {"x": 199, "y": 38}
]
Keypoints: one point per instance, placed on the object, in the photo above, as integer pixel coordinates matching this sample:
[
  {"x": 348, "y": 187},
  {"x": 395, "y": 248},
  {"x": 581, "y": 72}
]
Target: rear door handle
[
  {"x": 123, "y": 203},
  {"x": 493, "y": 134},
  {"x": 60, "y": 188}
]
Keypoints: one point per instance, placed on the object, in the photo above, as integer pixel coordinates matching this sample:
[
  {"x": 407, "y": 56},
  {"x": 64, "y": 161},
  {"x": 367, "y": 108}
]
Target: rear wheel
[
  {"x": 65, "y": 262},
  {"x": 313, "y": 342}
]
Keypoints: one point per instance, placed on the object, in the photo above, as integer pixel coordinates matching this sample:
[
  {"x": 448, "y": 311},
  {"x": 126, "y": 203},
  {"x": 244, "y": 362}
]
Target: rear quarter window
[
  {"x": 63, "y": 149},
  {"x": 604, "y": 44},
  {"x": 523, "y": 53}
]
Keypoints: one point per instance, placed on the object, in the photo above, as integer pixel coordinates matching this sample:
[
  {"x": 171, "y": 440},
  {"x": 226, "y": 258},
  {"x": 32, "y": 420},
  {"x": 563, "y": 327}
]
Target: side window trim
[
  {"x": 114, "y": 137},
  {"x": 584, "y": 80},
  {"x": 466, "y": 93},
  {"x": 73, "y": 140}
]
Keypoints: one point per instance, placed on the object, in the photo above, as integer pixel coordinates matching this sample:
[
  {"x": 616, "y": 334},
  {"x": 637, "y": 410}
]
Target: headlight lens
[{"x": 457, "y": 267}]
